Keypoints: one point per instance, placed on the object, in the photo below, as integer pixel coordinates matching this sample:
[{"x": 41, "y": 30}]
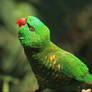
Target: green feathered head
[{"x": 33, "y": 32}]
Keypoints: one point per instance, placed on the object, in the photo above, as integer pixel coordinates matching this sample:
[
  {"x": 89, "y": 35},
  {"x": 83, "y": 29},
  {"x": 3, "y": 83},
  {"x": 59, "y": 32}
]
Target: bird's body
[
  {"x": 48, "y": 66},
  {"x": 53, "y": 67}
]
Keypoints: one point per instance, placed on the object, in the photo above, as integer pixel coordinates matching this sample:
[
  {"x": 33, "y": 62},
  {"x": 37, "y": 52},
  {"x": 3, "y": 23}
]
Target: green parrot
[{"x": 54, "y": 68}]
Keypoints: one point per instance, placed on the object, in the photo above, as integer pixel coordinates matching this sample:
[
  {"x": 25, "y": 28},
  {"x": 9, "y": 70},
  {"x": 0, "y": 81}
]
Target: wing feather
[{"x": 72, "y": 66}]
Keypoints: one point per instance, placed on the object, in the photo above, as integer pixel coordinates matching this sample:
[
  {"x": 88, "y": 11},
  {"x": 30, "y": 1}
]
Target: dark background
[{"x": 70, "y": 22}]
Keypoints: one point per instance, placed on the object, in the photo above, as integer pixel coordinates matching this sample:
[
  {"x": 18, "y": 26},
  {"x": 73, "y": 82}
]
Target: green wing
[{"x": 72, "y": 66}]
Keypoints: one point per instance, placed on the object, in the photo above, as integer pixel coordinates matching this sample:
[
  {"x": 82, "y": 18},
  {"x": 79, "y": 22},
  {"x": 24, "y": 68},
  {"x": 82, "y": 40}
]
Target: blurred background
[{"x": 70, "y": 22}]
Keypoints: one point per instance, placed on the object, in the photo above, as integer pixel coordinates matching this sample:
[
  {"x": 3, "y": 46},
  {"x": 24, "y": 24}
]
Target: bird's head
[{"x": 33, "y": 32}]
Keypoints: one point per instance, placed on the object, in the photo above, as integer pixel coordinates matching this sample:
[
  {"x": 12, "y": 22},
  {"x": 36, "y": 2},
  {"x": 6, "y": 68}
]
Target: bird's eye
[{"x": 30, "y": 27}]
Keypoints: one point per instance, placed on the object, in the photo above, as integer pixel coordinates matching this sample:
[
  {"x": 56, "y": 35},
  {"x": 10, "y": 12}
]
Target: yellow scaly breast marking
[
  {"x": 47, "y": 61},
  {"x": 58, "y": 66},
  {"x": 52, "y": 60},
  {"x": 52, "y": 57},
  {"x": 53, "y": 63}
]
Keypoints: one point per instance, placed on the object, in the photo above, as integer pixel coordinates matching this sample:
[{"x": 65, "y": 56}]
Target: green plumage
[{"x": 53, "y": 67}]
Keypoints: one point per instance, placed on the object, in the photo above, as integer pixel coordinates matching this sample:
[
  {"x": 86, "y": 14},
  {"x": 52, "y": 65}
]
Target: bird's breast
[{"x": 49, "y": 75}]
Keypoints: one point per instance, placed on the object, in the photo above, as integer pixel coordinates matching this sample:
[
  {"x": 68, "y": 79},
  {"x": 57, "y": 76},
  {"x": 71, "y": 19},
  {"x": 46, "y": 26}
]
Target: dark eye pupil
[{"x": 30, "y": 27}]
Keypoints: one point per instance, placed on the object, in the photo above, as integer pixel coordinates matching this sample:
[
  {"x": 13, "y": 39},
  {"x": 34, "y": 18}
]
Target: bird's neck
[{"x": 49, "y": 47}]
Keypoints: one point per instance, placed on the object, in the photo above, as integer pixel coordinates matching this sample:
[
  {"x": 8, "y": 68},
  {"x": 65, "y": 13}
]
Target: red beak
[{"x": 21, "y": 22}]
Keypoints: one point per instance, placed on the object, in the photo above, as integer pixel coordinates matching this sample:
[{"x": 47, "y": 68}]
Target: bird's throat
[{"x": 33, "y": 51}]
